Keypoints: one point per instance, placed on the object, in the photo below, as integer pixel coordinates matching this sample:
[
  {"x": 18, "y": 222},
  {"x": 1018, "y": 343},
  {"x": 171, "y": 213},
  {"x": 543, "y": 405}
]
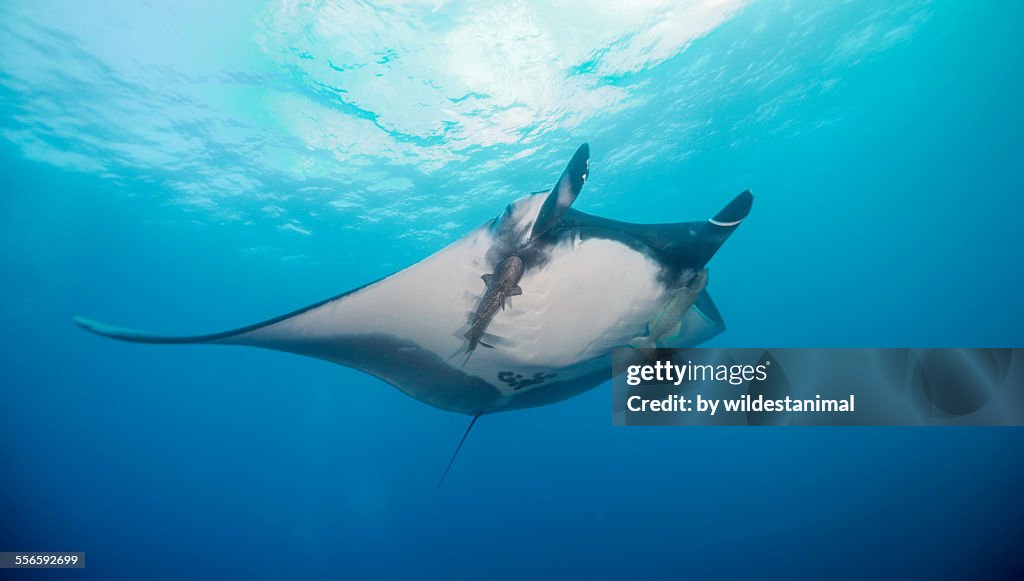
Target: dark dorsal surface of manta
[{"x": 588, "y": 285}]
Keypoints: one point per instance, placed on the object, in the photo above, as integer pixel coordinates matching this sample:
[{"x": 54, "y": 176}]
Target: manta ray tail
[{"x": 455, "y": 455}]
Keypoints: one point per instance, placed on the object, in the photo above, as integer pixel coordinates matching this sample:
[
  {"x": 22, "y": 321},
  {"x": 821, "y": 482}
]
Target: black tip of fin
[
  {"x": 581, "y": 156},
  {"x": 459, "y": 447},
  {"x": 579, "y": 167},
  {"x": 735, "y": 211},
  {"x": 566, "y": 189},
  {"x": 716, "y": 230}
]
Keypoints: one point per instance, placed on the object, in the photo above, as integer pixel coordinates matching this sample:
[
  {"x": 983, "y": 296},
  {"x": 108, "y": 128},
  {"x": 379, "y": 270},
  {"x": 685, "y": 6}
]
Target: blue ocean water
[{"x": 192, "y": 167}]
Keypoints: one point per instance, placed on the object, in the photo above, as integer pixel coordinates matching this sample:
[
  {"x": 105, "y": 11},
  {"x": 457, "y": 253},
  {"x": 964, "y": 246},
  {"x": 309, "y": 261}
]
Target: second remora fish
[{"x": 669, "y": 318}]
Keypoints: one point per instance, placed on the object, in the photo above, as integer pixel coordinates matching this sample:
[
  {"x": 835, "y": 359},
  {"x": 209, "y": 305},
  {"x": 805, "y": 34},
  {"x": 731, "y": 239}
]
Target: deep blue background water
[{"x": 882, "y": 142}]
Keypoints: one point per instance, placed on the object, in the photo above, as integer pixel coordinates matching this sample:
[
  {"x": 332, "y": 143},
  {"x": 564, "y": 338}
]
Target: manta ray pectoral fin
[
  {"x": 713, "y": 233},
  {"x": 735, "y": 211},
  {"x": 243, "y": 336},
  {"x": 566, "y": 189},
  {"x": 687, "y": 243},
  {"x": 287, "y": 332},
  {"x": 135, "y": 336}
]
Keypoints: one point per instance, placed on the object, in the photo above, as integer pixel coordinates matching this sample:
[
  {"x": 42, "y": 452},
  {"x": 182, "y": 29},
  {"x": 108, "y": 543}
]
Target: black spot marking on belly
[{"x": 517, "y": 381}]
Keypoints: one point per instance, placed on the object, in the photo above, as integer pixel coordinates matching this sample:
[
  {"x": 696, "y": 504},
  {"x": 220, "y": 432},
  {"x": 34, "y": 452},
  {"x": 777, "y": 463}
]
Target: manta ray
[{"x": 586, "y": 285}]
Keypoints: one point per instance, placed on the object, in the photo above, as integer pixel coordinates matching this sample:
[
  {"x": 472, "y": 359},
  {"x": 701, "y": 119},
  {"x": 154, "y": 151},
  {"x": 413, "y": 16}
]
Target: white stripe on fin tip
[{"x": 724, "y": 224}]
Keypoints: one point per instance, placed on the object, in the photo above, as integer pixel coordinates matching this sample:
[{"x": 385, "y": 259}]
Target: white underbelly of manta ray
[
  {"x": 576, "y": 308},
  {"x": 588, "y": 285}
]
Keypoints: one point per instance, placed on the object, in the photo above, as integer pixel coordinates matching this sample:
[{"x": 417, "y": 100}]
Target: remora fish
[
  {"x": 668, "y": 322},
  {"x": 500, "y": 285}
]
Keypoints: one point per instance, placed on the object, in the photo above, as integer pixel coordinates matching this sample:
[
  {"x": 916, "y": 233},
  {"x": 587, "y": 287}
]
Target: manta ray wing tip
[
  {"x": 88, "y": 324},
  {"x": 735, "y": 211}
]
